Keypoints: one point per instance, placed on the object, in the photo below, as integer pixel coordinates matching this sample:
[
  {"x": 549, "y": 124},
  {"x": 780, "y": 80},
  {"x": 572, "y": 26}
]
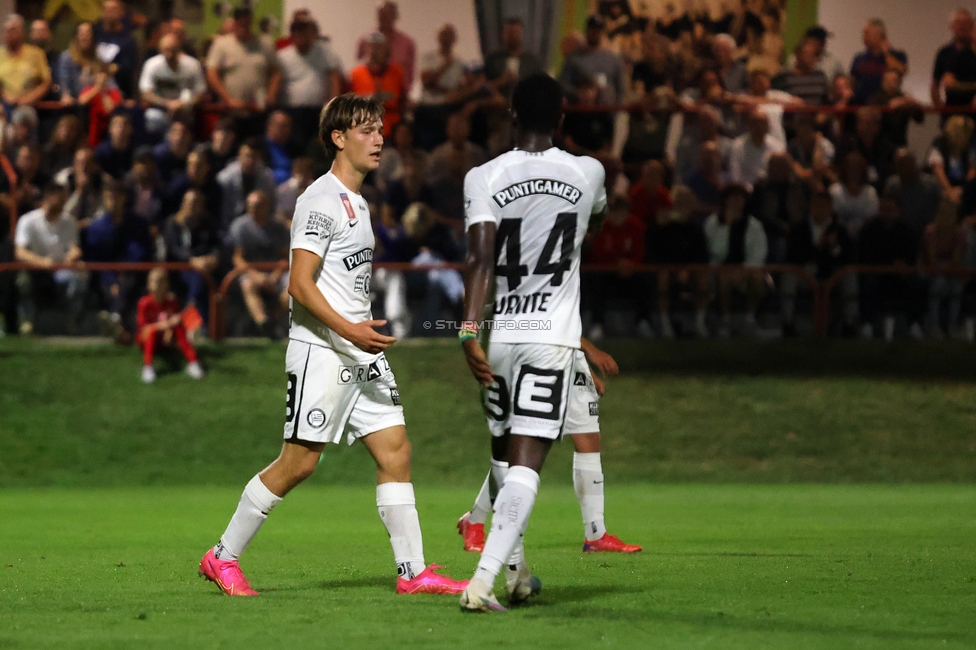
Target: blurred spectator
[
  {"x": 675, "y": 239},
  {"x": 447, "y": 167},
  {"x": 872, "y": 144},
  {"x": 171, "y": 153},
  {"x": 778, "y": 201},
  {"x": 190, "y": 239},
  {"x": 511, "y": 63},
  {"x": 952, "y": 157},
  {"x": 383, "y": 79},
  {"x": 772, "y": 102},
  {"x": 595, "y": 62},
  {"x": 587, "y": 132},
  {"x": 83, "y": 180},
  {"x": 702, "y": 127},
  {"x": 177, "y": 27},
  {"x": 878, "y": 56},
  {"x": 620, "y": 244},
  {"x": 117, "y": 46},
  {"x": 917, "y": 194},
  {"x": 25, "y": 194},
  {"x": 441, "y": 72},
  {"x": 24, "y": 72},
  {"x": 887, "y": 240},
  {"x": 403, "y": 52},
  {"x": 256, "y": 237},
  {"x": 289, "y": 191},
  {"x": 750, "y": 152},
  {"x": 841, "y": 96},
  {"x": 651, "y": 72},
  {"x": 21, "y": 130},
  {"x": 393, "y": 159},
  {"x": 401, "y": 193},
  {"x": 101, "y": 98},
  {"x": 803, "y": 79},
  {"x": 45, "y": 237},
  {"x": 241, "y": 178},
  {"x": 737, "y": 239},
  {"x": 197, "y": 176},
  {"x": 77, "y": 65},
  {"x": 821, "y": 246},
  {"x": 731, "y": 70},
  {"x": 277, "y": 138},
  {"x": 955, "y": 64},
  {"x": 59, "y": 151},
  {"x": 220, "y": 150},
  {"x": 311, "y": 75},
  {"x": 242, "y": 69},
  {"x": 855, "y": 200},
  {"x": 894, "y": 124},
  {"x": 943, "y": 245},
  {"x": 812, "y": 154},
  {"x": 160, "y": 323},
  {"x": 706, "y": 181},
  {"x": 145, "y": 192},
  {"x": 172, "y": 83},
  {"x": 40, "y": 35},
  {"x": 827, "y": 63},
  {"x": 649, "y": 196}
]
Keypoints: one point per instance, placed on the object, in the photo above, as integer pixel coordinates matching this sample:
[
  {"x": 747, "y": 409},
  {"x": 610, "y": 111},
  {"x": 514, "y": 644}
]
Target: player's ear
[{"x": 339, "y": 139}]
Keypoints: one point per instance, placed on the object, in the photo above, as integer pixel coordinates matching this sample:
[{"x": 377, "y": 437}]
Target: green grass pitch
[{"x": 787, "y": 496}]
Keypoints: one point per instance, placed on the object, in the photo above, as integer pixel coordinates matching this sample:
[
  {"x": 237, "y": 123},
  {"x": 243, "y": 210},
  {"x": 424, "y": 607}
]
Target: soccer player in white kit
[
  {"x": 526, "y": 214},
  {"x": 339, "y": 380}
]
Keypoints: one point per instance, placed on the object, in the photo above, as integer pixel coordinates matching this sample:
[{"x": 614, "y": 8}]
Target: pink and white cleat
[
  {"x": 226, "y": 574},
  {"x": 429, "y": 582},
  {"x": 609, "y": 544}
]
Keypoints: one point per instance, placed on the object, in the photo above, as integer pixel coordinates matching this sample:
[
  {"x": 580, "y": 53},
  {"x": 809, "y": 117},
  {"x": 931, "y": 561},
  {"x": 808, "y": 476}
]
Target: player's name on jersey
[
  {"x": 527, "y": 304},
  {"x": 538, "y": 186}
]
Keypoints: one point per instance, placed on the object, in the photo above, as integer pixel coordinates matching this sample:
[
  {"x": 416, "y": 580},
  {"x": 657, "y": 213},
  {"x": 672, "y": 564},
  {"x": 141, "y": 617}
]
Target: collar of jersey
[{"x": 343, "y": 185}]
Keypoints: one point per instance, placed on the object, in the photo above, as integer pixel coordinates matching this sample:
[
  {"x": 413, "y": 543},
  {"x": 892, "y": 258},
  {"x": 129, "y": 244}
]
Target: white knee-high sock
[
  {"x": 489, "y": 491},
  {"x": 512, "y": 509},
  {"x": 588, "y": 481},
  {"x": 255, "y": 504},
  {"x": 398, "y": 510}
]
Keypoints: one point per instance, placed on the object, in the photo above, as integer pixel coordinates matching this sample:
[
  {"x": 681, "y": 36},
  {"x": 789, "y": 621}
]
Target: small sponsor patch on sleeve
[
  {"x": 594, "y": 408},
  {"x": 319, "y": 225},
  {"x": 395, "y": 396}
]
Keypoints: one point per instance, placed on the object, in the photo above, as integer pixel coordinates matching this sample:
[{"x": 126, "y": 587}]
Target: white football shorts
[
  {"x": 531, "y": 389},
  {"x": 583, "y": 410},
  {"x": 330, "y": 394}
]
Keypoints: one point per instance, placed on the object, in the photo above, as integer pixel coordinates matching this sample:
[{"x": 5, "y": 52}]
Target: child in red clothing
[{"x": 160, "y": 322}]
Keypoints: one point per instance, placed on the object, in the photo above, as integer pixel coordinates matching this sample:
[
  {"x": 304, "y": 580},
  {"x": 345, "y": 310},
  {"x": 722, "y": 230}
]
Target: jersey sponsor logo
[
  {"x": 362, "y": 284},
  {"x": 579, "y": 379},
  {"x": 538, "y": 186},
  {"x": 350, "y": 212},
  {"x": 319, "y": 225},
  {"x": 316, "y": 418},
  {"x": 594, "y": 408},
  {"x": 360, "y": 257},
  {"x": 363, "y": 373},
  {"x": 395, "y": 396},
  {"x": 515, "y": 304}
]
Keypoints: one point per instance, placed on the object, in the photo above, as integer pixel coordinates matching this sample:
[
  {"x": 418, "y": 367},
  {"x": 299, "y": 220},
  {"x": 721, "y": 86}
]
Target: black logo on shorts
[
  {"x": 579, "y": 379},
  {"x": 395, "y": 396},
  {"x": 316, "y": 418},
  {"x": 594, "y": 408}
]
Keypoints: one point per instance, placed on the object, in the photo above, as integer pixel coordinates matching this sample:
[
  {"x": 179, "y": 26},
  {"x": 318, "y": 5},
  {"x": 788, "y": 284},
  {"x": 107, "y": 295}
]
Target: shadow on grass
[{"x": 364, "y": 581}]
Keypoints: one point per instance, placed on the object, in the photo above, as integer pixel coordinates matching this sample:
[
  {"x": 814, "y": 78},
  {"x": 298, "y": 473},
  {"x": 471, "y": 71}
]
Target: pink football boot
[
  {"x": 429, "y": 582},
  {"x": 226, "y": 574}
]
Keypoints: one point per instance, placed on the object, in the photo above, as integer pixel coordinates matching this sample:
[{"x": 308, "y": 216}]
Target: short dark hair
[
  {"x": 538, "y": 103},
  {"x": 346, "y": 112},
  {"x": 51, "y": 188},
  {"x": 242, "y": 11}
]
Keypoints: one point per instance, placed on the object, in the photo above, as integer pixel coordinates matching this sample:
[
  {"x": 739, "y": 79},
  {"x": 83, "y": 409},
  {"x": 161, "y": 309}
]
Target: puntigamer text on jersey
[{"x": 537, "y": 186}]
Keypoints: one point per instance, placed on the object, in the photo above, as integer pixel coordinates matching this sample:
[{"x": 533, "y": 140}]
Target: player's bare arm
[
  {"x": 301, "y": 287},
  {"x": 599, "y": 359},
  {"x": 478, "y": 281}
]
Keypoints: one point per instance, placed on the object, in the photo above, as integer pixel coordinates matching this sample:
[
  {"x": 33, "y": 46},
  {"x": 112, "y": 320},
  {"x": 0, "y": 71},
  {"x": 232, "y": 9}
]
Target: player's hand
[
  {"x": 599, "y": 385},
  {"x": 478, "y": 362},
  {"x": 603, "y": 362},
  {"x": 367, "y": 339}
]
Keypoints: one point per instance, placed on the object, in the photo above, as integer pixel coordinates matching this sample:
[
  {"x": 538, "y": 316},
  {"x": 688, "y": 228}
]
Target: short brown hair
[{"x": 346, "y": 112}]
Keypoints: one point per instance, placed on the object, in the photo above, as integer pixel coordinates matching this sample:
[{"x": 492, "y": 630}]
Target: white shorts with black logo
[
  {"x": 531, "y": 389},
  {"x": 583, "y": 410},
  {"x": 329, "y": 394}
]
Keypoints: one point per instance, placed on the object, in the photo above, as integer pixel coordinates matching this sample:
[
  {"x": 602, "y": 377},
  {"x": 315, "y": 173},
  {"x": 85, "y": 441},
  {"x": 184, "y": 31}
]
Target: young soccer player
[
  {"x": 159, "y": 321},
  {"x": 339, "y": 380},
  {"x": 583, "y": 426},
  {"x": 533, "y": 206}
]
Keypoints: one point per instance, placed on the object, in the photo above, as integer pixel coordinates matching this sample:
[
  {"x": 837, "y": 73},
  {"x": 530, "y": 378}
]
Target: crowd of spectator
[{"x": 128, "y": 149}]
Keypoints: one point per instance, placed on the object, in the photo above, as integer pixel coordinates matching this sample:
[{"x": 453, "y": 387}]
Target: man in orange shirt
[{"x": 382, "y": 79}]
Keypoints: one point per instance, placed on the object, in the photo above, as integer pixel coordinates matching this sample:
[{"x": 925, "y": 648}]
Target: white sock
[
  {"x": 588, "y": 481},
  {"x": 398, "y": 510},
  {"x": 255, "y": 504},
  {"x": 489, "y": 491},
  {"x": 512, "y": 509}
]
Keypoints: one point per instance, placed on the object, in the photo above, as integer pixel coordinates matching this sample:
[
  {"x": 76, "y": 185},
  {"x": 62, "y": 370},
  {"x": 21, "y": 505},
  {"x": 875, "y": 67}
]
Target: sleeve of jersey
[
  {"x": 478, "y": 206},
  {"x": 312, "y": 228},
  {"x": 599, "y": 176}
]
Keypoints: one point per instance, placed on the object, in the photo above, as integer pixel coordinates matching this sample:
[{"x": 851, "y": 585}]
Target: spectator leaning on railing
[
  {"x": 172, "y": 83},
  {"x": 24, "y": 72}
]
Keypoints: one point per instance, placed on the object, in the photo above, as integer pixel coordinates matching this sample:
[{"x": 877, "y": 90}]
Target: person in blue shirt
[
  {"x": 276, "y": 139},
  {"x": 869, "y": 66}
]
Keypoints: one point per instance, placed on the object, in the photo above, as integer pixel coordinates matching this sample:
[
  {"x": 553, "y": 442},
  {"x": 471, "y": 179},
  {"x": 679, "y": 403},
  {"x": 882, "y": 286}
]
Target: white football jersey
[
  {"x": 333, "y": 222},
  {"x": 541, "y": 203}
]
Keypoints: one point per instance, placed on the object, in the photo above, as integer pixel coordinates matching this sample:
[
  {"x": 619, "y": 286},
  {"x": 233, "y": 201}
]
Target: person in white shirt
[
  {"x": 736, "y": 238},
  {"x": 311, "y": 74},
  {"x": 339, "y": 380},
  {"x": 772, "y": 102},
  {"x": 172, "y": 83},
  {"x": 855, "y": 200},
  {"x": 750, "y": 152}
]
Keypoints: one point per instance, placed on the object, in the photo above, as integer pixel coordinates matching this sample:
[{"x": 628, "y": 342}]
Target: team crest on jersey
[
  {"x": 579, "y": 379},
  {"x": 362, "y": 284},
  {"x": 319, "y": 225},
  {"x": 350, "y": 212},
  {"x": 538, "y": 186},
  {"x": 360, "y": 257},
  {"x": 594, "y": 408}
]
